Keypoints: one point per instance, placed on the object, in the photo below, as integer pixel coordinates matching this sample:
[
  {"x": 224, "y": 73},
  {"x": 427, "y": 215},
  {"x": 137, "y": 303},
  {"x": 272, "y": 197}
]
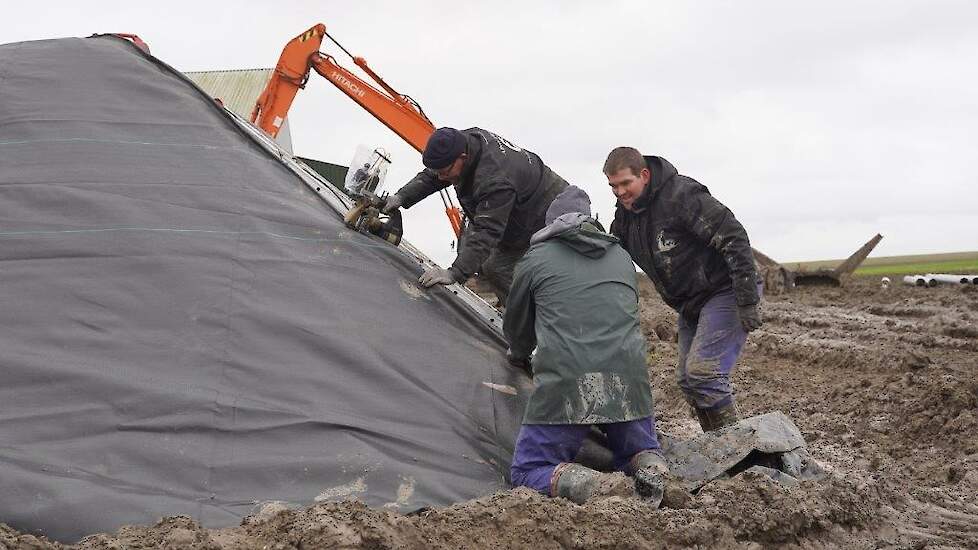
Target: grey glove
[
  {"x": 392, "y": 203},
  {"x": 436, "y": 276},
  {"x": 750, "y": 317}
]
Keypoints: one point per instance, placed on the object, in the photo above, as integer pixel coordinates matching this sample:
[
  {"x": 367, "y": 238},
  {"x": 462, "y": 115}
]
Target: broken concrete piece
[
  {"x": 760, "y": 440},
  {"x": 770, "y": 440},
  {"x": 773, "y": 432},
  {"x": 777, "y": 475},
  {"x": 798, "y": 463}
]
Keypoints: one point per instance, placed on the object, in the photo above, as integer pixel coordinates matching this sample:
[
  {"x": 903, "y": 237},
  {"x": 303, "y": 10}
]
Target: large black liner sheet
[{"x": 185, "y": 328}]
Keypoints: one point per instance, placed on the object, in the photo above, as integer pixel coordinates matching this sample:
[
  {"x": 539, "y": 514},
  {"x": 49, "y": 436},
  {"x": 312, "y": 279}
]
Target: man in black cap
[{"x": 504, "y": 191}]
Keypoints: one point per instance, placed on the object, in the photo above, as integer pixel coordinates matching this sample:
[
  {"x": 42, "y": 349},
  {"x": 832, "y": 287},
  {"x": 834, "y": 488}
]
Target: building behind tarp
[
  {"x": 187, "y": 327},
  {"x": 238, "y": 91},
  {"x": 333, "y": 173}
]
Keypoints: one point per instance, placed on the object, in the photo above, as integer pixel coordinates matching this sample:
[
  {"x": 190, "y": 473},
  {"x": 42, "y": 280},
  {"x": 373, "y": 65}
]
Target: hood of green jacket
[{"x": 579, "y": 232}]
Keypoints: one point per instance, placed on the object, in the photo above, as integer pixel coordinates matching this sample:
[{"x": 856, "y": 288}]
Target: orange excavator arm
[
  {"x": 398, "y": 112},
  {"x": 291, "y": 74}
]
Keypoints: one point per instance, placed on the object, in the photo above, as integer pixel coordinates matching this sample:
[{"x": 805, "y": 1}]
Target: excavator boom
[
  {"x": 397, "y": 114},
  {"x": 290, "y": 75},
  {"x": 396, "y": 111}
]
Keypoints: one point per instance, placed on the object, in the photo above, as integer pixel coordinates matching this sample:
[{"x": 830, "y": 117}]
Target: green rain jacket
[{"x": 575, "y": 299}]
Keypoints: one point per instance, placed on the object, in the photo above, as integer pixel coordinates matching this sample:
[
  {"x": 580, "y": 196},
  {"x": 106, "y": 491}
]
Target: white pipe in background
[
  {"x": 914, "y": 280},
  {"x": 950, "y": 279},
  {"x": 934, "y": 279}
]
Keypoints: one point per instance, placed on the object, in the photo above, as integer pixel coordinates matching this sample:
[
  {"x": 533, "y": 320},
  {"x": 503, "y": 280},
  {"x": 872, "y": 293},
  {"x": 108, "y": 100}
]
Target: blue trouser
[
  {"x": 708, "y": 351},
  {"x": 542, "y": 447}
]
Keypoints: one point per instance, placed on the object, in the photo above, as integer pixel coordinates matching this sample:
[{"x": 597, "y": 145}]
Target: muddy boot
[
  {"x": 649, "y": 469},
  {"x": 712, "y": 420},
  {"x": 580, "y": 484}
]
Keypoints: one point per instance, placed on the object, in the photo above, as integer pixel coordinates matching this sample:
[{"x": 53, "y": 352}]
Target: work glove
[
  {"x": 750, "y": 317},
  {"x": 436, "y": 276},
  {"x": 392, "y": 203}
]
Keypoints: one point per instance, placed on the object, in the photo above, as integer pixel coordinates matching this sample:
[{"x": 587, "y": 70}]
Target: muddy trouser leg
[
  {"x": 685, "y": 338},
  {"x": 639, "y": 455},
  {"x": 626, "y": 439},
  {"x": 708, "y": 352},
  {"x": 498, "y": 269},
  {"x": 540, "y": 448}
]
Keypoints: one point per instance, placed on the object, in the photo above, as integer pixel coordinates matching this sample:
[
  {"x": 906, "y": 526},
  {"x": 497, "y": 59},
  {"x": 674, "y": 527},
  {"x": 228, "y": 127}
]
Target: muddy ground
[{"x": 882, "y": 383}]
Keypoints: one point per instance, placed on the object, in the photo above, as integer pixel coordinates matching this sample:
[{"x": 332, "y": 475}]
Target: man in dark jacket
[
  {"x": 504, "y": 191},
  {"x": 699, "y": 258},
  {"x": 575, "y": 299}
]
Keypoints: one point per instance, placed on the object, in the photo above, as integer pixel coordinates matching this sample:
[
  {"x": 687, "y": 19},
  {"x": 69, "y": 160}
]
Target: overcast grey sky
[{"x": 817, "y": 123}]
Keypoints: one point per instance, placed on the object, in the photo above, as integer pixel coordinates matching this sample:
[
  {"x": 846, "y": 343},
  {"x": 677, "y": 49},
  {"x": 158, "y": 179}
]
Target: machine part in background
[
  {"x": 778, "y": 278},
  {"x": 364, "y": 185},
  {"x": 368, "y": 178},
  {"x": 453, "y": 213},
  {"x": 399, "y": 112},
  {"x": 367, "y": 216},
  {"x": 841, "y": 273}
]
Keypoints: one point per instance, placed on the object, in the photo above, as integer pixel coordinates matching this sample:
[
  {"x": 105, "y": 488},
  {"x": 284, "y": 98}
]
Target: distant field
[
  {"x": 957, "y": 267},
  {"x": 954, "y": 262}
]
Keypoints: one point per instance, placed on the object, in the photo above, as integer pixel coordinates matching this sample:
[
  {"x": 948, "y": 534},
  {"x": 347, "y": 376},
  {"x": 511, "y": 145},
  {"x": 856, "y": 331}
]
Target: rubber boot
[
  {"x": 579, "y": 483},
  {"x": 712, "y": 420},
  {"x": 649, "y": 469}
]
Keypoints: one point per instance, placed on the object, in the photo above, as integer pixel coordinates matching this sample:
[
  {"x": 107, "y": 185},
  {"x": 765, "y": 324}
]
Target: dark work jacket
[
  {"x": 575, "y": 299},
  {"x": 687, "y": 242},
  {"x": 504, "y": 191}
]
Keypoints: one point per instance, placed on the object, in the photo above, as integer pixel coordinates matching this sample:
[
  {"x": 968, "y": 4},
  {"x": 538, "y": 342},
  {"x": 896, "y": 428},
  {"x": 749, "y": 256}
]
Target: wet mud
[{"x": 883, "y": 385}]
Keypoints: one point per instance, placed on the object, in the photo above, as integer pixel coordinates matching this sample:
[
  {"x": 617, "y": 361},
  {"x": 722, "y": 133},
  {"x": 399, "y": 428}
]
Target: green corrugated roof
[
  {"x": 334, "y": 173},
  {"x": 238, "y": 89}
]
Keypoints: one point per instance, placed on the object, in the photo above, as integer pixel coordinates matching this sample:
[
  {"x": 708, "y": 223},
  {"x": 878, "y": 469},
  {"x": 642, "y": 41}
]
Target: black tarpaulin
[{"x": 185, "y": 328}]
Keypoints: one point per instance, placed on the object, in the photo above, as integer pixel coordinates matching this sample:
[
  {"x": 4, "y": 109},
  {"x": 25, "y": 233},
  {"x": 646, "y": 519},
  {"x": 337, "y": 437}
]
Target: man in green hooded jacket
[{"x": 575, "y": 300}]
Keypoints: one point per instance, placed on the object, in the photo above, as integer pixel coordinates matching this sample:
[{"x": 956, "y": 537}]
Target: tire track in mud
[
  {"x": 884, "y": 383},
  {"x": 881, "y": 383}
]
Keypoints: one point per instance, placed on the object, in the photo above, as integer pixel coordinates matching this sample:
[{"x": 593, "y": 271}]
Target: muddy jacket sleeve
[
  {"x": 424, "y": 184},
  {"x": 486, "y": 228},
  {"x": 520, "y": 318},
  {"x": 715, "y": 224}
]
